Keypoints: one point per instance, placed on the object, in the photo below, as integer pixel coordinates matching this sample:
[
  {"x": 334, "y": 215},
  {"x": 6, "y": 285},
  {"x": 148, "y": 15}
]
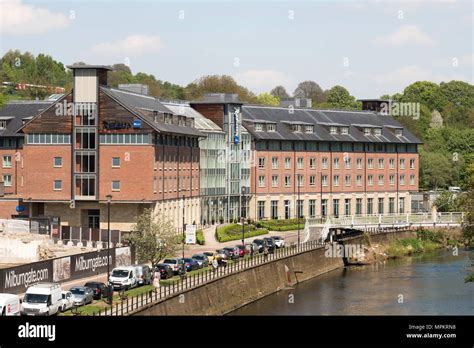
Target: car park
[
  {"x": 9, "y": 305},
  {"x": 242, "y": 250},
  {"x": 99, "y": 289},
  {"x": 201, "y": 259},
  {"x": 143, "y": 274},
  {"x": 234, "y": 252},
  {"x": 279, "y": 241},
  {"x": 81, "y": 295},
  {"x": 190, "y": 263},
  {"x": 165, "y": 270},
  {"x": 67, "y": 301},
  {"x": 123, "y": 278},
  {"x": 42, "y": 299},
  {"x": 259, "y": 243},
  {"x": 174, "y": 263}
]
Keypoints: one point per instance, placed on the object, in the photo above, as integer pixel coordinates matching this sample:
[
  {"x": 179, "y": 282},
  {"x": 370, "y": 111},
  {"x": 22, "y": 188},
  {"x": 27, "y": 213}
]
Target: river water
[{"x": 427, "y": 284}]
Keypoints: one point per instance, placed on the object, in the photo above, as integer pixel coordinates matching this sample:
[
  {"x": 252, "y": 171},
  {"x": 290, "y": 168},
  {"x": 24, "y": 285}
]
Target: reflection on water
[{"x": 428, "y": 284}]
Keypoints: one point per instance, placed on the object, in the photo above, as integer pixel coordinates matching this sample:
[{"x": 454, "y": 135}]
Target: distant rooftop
[
  {"x": 86, "y": 66},
  {"x": 219, "y": 98}
]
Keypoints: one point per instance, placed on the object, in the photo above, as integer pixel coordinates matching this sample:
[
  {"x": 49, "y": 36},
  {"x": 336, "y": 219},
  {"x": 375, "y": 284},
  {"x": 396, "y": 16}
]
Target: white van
[
  {"x": 42, "y": 299},
  {"x": 9, "y": 305},
  {"x": 124, "y": 278}
]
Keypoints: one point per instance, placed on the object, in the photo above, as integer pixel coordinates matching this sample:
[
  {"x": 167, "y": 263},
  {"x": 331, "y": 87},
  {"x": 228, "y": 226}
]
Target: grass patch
[
  {"x": 408, "y": 246},
  {"x": 281, "y": 225},
  {"x": 234, "y": 232}
]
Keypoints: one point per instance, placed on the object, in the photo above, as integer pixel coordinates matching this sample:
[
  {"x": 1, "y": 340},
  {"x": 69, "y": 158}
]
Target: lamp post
[
  {"x": 242, "y": 217},
  {"x": 183, "y": 274},
  {"x": 110, "y": 289},
  {"x": 298, "y": 209}
]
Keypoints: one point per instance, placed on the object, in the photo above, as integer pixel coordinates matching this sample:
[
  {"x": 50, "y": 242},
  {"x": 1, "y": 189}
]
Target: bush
[
  {"x": 428, "y": 235},
  {"x": 234, "y": 232},
  {"x": 200, "y": 237},
  {"x": 281, "y": 225}
]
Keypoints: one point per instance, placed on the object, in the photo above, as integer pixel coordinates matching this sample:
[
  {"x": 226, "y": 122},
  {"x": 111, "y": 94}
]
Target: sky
[{"x": 371, "y": 47}]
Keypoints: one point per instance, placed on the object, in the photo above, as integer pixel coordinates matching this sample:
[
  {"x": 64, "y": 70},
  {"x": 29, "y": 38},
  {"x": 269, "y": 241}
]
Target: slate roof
[
  {"x": 322, "y": 119},
  {"x": 19, "y": 111},
  {"x": 200, "y": 122},
  {"x": 139, "y": 103}
]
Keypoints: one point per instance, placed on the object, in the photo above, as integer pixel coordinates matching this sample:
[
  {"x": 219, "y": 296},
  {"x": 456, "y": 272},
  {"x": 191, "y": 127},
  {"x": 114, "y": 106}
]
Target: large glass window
[
  {"x": 261, "y": 209},
  {"x": 125, "y": 139},
  {"x": 85, "y": 185},
  {"x": 51, "y": 139},
  {"x": 274, "y": 209}
]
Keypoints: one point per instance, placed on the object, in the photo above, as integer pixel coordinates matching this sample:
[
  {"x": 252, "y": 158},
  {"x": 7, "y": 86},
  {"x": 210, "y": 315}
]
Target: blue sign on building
[
  {"x": 236, "y": 139},
  {"x": 20, "y": 208},
  {"x": 137, "y": 123}
]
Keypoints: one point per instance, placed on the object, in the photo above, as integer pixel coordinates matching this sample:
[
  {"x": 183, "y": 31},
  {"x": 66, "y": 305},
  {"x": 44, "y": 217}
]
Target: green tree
[
  {"x": 217, "y": 84},
  {"x": 154, "y": 238},
  {"x": 436, "y": 170},
  {"x": 310, "y": 89},
  {"x": 339, "y": 97},
  {"x": 279, "y": 92},
  {"x": 425, "y": 92},
  {"x": 268, "y": 99}
]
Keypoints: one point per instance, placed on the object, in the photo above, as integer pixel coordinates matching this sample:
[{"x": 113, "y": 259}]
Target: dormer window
[
  {"x": 296, "y": 128},
  {"x": 367, "y": 131},
  {"x": 309, "y": 129},
  {"x": 271, "y": 127},
  {"x": 344, "y": 130},
  {"x": 258, "y": 127},
  {"x": 333, "y": 130},
  {"x": 181, "y": 121},
  {"x": 155, "y": 116},
  {"x": 398, "y": 132},
  {"x": 377, "y": 131},
  {"x": 3, "y": 124},
  {"x": 168, "y": 119}
]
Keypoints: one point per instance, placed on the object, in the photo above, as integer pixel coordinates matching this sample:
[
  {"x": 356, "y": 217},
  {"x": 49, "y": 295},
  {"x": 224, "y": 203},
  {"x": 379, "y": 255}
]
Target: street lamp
[
  {"x": 183, "y": 265},
  {"x": 298, "y": 209},
  {"x": 109, "y": 292},
  {"x": 242, "y": 217}
]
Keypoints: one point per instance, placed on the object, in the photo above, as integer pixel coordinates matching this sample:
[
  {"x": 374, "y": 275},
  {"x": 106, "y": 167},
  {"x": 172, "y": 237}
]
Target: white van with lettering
[
  {"x": 9, "y": 305},
  {"x": 124, "y": 278},
  {"x": 42, "y": 299}
]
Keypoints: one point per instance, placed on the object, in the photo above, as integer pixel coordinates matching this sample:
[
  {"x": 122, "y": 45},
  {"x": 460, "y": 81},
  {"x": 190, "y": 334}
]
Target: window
[
  {"x": 3, "y": 124},
  {"x": 377, "y": 131},
  {"x": 287, "y": 180},
  {"x": 347, "y": 180},
  {"x": 274, "y": 210},
  {"x": 370, "y": 180},
  {"x": 271, "y": 127},
  {"x": 367, "y": 131},
  {"x": 402, "y": 179},
  {"x": 115, "y": 162},
  {"x": 312, "y": 208},
  {"x": 300, "y": 181},
  {"x": 380, "y": 206},
  {"x": 359, "y": 180},
  {"x": 370, "y": 163},
  {"x": 336, "y": 180},
  {"x": 7, "y": 161},
  {"x": 347, "y": 162},
  {"x": 300, "y": 162},
  {"x": 402, "y": 163},
  {"x": 412, "y": 163},
  {"x": 336, "y": 163},
  {"x": 312, "y": 163},
  {"x": 324, "y": 207},
  {"x": 261, "y": 209},
  {"x": 391, "y": 205},
  {"x": 370, "y": 206},
  {"x": 412, "y": 179},
  {"x": 261, "y": 162},
  {"x": 358, "y": 206},
  {"x": 381, "y": 163},
  {"x": 392, "y": 163},
  {"x": 344, "y": 130},
  {"x": 309, "y": 129},
  {"x": 392, "y": 179},
  {"x": 261, "y": 181},
  {"x": 324, "y": 180},
  {"x": 347, "y": 206},
  {"x": 168, "y": 119},
  {"x": 333, "y": 130},
  {"x": 398, "y": 132},
  {"x": 50, "y": 139},
  {"x": 299, "y": 208},
  {"x": 58, "y": 162},
  {"x": 58, "y": 185},
  {"x": 274, "y": 162},
  {"x": 7, "y": 180},
  {"x": 401, "y": 205},
  {"x": 312, "y": 180},
  {"x": 287, "y": 209},
  {"x": 335, "y": 207},
  {"x": 359, "y": 163},
  {"x": 116, "y": 185},
  {"x": 287, "y": 162},
  {"x": 125, "y": 139},
  {"x": 380, "y": 180},
  {"x": 324, "y": 163},
  {"x": 296, "y": 128},
  {"x": 274, "y": 180}
]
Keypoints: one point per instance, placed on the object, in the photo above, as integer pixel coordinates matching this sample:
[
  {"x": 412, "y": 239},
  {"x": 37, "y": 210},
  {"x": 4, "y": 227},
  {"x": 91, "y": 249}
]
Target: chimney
[
  {"x": 134, "y": 87},
  {"x": 87, "y": 79},
  {"x": 296, "y": 102},
  {"x": 375, "y": 105}
]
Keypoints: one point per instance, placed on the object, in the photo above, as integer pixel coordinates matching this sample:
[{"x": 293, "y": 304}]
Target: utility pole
[{"x": 184, "y": 238}]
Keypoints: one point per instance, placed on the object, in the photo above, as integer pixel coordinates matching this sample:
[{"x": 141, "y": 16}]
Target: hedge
[
  {"x": 200, "y": 237},
  {"x": 234, "y": 232},
  {"x": 281, "y": 225}
]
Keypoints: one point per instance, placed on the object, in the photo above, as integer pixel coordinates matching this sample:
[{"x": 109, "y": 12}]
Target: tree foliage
[
  {"x": 279, "y": 92},
  {"x": 268, "y": 99},
  {"x": 340, "y": 98},
  {"x": 218, "y": 84},
  {"x": 310, "y": 89}
]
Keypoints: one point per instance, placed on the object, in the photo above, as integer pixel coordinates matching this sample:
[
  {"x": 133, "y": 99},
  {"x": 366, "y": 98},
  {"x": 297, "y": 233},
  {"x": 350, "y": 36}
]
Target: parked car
[
  {"x": 9, "y": 305},
  {"x": 123, "y": 278},
  {"x": 81, "y": 295},
  {"x": 99, "y": 289},
  {"x": 165, "y": 270},
  {"x": 66, "y": 300},
  {"x": 279, "y": 241},
  {"x": 222, "y": 254},
  {"x": 242, "y": 250},
  {"x": 270, "y": 243},
  {"x": 234, "y": 252},
  {"x": 174, "y": 263},
  {"x": 201, "y": 259},
  {"x": 42, "y": 299},
  {"x": 191, "y": 264},
  {"x": 143, "y": 274},
  {"x": 259, "y": 243},
  {"x": 210, "y": 256}
]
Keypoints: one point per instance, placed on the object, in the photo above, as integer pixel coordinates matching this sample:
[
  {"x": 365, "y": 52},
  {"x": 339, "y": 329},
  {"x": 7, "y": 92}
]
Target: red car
[{"x": 242, "y": 250}]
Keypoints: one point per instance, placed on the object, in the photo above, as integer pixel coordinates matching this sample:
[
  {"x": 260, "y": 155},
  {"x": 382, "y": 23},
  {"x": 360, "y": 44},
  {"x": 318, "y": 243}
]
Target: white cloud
[
  {"x": 132, "y": 45},
  {"x": 261, "y": 80},
  {"x": 406, "y": 34},
  {"x": 19, "y": 18}
]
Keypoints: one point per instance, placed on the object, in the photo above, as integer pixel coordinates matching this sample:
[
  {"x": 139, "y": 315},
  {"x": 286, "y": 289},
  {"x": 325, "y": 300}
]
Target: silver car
[{"x": 81, "y": 295}]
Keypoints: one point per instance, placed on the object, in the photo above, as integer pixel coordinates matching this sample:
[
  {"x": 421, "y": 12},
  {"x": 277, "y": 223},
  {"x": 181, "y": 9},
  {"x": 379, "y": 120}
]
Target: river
[{"x": 427, "y": 284}]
